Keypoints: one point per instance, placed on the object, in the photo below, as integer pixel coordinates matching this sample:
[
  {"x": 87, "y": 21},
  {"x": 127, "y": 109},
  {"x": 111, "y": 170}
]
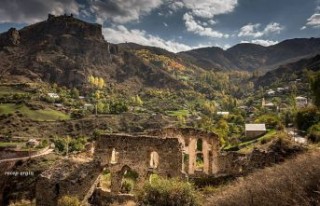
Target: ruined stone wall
[
  {"x": 134, "y": 152},
  {"x": 209, "y": 151},
  {"x": 66, "y": 178},
  {"x": 233, "y": 163}
]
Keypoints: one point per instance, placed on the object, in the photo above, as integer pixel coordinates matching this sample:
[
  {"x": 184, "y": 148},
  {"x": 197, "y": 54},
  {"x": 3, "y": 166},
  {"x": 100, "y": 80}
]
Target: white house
[
  {"x": 271, "y": 92},
  {"x": 223, "y": 113},
  {"x": 255, "y": 130},
  {"x": 301, "y": 102},
  {"x": 53, "y": 95}
]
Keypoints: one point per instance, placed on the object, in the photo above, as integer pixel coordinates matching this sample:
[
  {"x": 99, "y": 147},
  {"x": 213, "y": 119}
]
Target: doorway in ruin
[
  {"x": 105, "y": 180},
  {"x": 199, "y": 145},
  {"x": 154, "y": 160},
  {"x": 129, "y": 180},
  {"x": 199, "y": 164}
]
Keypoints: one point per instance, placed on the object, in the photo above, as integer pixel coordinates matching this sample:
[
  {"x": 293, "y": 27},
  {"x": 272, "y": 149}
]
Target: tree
[
  {"x": 101, "y": 83},
  {"x": 75, "y": 93},
  {"x": 91, "y": 79},
  {"x": 315, "y": 88},
  {"x": 137, "y": 101}
]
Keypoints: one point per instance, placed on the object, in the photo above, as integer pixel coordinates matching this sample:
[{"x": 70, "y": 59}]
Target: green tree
[
  {"x": 315, "y": 88},
  {"x": 75, "y": 93}
]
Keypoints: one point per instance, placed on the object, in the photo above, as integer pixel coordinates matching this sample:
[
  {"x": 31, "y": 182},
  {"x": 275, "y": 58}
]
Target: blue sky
[{"x": 179, "y": 25}]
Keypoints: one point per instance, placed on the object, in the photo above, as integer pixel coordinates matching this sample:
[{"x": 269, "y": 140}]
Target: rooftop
[{"x": 255, "y": 127}]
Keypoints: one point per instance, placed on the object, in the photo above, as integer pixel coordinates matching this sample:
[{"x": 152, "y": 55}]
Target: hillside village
[{"x": 102, "y": 126}]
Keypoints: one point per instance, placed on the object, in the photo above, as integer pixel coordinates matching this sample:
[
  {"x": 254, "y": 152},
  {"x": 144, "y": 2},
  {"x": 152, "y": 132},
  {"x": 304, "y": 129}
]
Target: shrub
[
  {"x": 68, "y": 201},
  {"x": 169, "y": 192},
  {"x": 271, "y": 121},
  {"x": 314, "y": 133},
  {"x": 307, "y": 117}
]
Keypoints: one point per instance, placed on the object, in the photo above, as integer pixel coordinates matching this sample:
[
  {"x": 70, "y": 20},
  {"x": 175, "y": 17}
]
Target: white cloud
[
  {"x": 262, "y": 42},
  {"x": 253, "y": 30},
  {"x": 193, "y": 26},
  {"x": 273, "y": 27},
  {"x": 176, "y": 5},
  {"x": 120, "y": 34},
  {"x": 210, "y": 8},
  {"x": 314, "y": 20},
  {"x": 31, "y": 11},
  {"x": 122, "y": 11},
  {"x": 250, "y": 30}
]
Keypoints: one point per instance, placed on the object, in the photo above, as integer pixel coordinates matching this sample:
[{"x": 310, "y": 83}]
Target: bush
[
  {"x": 68, "y": 201},
  {"x": 307, "y": 117},
  {"x": 314, "y": 133},
  {"x": 79, "y": 113},
  {"x": 271, "y": 121},
  {"x": 117, "y": 107},
  {"x": 169, "y": 192}
]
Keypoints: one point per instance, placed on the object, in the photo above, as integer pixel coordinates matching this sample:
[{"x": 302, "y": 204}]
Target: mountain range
[{"x": 66, "y": 50}]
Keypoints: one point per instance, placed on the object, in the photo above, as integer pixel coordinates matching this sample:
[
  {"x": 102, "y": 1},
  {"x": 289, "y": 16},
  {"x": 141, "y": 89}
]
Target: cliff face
[{"x": 66, "y": 50}]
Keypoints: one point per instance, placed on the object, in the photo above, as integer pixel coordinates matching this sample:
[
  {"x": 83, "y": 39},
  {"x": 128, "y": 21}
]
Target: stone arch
[
  {"x": 114, "y": 156},
  {"x": 199, "y": 162},
  {"x": 199, "y": 145},
  {"x": 154, "y": 160},
  {"x": 124, "y": 180}
]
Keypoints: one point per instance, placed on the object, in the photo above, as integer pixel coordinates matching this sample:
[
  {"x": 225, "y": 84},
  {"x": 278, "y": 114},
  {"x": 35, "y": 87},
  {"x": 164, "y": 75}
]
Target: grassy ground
[
  {"x": 8, "y": 144},
  {"x": 36, "y": 115},
  {"x": 10, "y": 90},
  {"x": 247, "y": 146},
  {"x": 177, "y": 113}
]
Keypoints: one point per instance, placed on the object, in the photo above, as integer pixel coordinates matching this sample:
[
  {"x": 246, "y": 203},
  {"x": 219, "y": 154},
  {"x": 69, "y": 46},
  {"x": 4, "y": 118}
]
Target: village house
[
  {"x": 301, "y": 102},
  {"x": 271, "y": 92},
  {"x": 255, "y": 130},
  {"x": 223, "y": 113},
  {"x": 53, "y": 95}
]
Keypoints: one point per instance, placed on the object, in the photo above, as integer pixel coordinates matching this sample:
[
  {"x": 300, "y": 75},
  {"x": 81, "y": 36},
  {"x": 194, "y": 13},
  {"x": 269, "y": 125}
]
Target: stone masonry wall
[{"x": 134, "y": 152}]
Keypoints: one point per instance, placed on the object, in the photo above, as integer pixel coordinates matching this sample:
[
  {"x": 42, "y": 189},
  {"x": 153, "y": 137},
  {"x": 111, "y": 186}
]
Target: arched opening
[
  {"x": 105, "y": 180},
  {"x": 185, "y": 161},
  {"x": 199, "y": 162},
  {"x": 114, "y": 156},
  {"x": 199, "y": 145},
  {"x": 129, "y": 179},
  {"x": 57, "y": 189},
  {"x": 154, "y": 160}
]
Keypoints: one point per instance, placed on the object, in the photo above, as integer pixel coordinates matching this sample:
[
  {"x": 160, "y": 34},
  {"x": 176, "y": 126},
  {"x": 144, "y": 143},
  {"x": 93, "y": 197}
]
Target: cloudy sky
[{"x": 181, "y": 24}]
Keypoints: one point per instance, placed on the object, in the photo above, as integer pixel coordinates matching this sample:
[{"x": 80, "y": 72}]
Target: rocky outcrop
[{"x": 10, "y": 38}]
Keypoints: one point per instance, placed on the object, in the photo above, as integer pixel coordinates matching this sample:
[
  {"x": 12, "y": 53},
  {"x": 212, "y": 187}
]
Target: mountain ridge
[{"x": 248, "y": 56}]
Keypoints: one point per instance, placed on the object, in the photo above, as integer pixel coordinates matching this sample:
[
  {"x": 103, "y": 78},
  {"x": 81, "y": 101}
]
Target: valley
[{"x": 96, "y": 123}]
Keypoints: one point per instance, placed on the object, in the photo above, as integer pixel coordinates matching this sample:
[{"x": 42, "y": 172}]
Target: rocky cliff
[{"x": 66, "y": 50}]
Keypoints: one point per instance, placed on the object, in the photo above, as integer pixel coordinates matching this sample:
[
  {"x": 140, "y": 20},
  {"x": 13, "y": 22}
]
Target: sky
[{"x": 178, "y": 25}]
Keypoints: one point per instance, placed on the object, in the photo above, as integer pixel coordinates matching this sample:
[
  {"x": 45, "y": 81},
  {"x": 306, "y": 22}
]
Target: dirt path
[{"x": 43, "y": 153}]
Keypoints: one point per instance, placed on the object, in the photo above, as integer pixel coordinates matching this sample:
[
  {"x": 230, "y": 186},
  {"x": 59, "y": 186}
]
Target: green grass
[
  {"x": 8, "y": 144},
  {"x": 177, "y": 113},
  {"x": 10, "y": 90},
  {"x": 251, "y": 143},
  {"x": 36, "y": 115}
]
